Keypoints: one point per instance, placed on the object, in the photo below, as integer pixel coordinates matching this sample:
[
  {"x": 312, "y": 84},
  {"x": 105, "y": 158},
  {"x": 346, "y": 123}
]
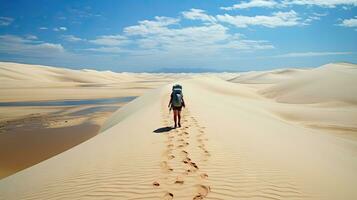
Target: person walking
[{"x": 176, "y": 103}]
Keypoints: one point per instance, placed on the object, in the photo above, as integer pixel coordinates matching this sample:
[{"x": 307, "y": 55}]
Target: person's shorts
[{"x": 177, "y": 108}]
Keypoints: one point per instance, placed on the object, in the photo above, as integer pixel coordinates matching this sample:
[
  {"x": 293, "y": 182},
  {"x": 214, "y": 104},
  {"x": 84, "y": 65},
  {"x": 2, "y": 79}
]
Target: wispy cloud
[
  {"x": 287, "y": 3},
  {"x": 321, "y": 3},
  {"x": 28, "y": 47},
  {"x": 6, "y": 21},
  {"x": 310, "y": 54},
  {"x": 314, "y": 17},
  {"x": 277, "y": 19},
  {"x": 31, "y": 37},
  {"x": 150, "y": 26},
  {"x": 252, "y": 4},
  {"x": 72, "y": 38},
  {"x": 110, "y": 50},
  {"x": 110, "y": 40},
  {"x": 198, "y": 14},
  {"x": 61, "y": 28},
  {"x": 352, "y": 23}
]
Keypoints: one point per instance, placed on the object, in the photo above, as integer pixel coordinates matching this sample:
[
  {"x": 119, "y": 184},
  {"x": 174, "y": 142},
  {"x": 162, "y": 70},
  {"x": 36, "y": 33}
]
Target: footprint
[
  {"x": 168, "y": 196},
  {"x": 198, "y": 197},
  {"x": 202, "y": 192},
  {"x": 194, "y": 165},
  {"x": 184, "y": 153},
  {"x": 188, "y": 159},
  {"x": 200, "y": 140},
  {"x": 179, "y": 180},
  {"x": 165, "y": 166},
  {"x": 156, "y": 184},
  {"x": 170, "y": 157},
  {"x": 203, "y": 175},
  {"x": 167, "y": 152}
]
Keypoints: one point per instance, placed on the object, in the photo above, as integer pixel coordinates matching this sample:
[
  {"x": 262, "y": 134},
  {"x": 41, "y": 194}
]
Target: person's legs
[
  {"x": 179, "y": 117},
  {"x": 175, "y": 117}
]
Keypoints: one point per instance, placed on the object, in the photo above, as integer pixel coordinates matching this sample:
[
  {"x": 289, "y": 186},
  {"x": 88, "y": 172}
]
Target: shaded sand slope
[
  {"x": 328, "y": 83},
  {"x": 230, "y": 147},
  {"x": 320, "y": 98}
]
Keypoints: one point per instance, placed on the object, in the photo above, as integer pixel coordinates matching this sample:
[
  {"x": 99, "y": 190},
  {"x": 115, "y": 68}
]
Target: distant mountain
[{"x": 188, "y": 70}]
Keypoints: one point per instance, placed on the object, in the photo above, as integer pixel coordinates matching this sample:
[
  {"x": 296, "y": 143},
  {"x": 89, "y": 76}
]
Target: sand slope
[
  {"x": 320, "y": 98},
  {"x": 24, "y": 82},
  {"x": 232, "y": 146},
  {"x": 331, "y": 82}
]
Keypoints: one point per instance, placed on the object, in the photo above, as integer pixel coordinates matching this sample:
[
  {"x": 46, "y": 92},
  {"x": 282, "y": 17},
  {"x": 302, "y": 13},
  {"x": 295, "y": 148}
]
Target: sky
[{"x": 149, "y": 35}]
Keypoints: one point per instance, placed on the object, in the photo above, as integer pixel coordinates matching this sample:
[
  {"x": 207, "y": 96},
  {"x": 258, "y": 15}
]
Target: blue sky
[{"x": 148, "y": 35}]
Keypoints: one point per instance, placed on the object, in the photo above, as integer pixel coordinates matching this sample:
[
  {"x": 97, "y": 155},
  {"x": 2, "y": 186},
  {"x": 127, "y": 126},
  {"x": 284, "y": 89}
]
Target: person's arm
[
  {"x": 170, "y": 101},
  {"x": 183, "y": 103}
]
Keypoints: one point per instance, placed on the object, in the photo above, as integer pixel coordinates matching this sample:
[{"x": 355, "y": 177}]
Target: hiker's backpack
[{"x": 177, "y": 97}]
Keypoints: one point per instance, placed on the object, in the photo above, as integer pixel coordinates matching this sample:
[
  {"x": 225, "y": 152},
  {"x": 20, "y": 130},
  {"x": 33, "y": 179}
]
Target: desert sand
[
  {"x": 31, "y": 134},
  {"x": 282, "y": 134}
]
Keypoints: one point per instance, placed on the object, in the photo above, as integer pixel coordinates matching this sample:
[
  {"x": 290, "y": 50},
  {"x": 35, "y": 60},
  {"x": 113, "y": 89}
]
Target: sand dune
[
  {"x": 24, "y": 82},
  {"x": 329, "y": 83},
  {"x": 32, "y": 133},
  {"x": 233, "y": 145},
  {"x": 319, "y": 98},
  {"x": 266, "y": 77}
]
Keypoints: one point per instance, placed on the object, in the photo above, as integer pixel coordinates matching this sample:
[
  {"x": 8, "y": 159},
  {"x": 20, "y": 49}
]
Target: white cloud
[
  {"x": 277, "y": 19},
  {"x": 31, "y": 37},
  {"x": 203, "y": 39},
  {"x": 150, "y": 26},
  {"x": 321, "y": 3},
  {"x": 198, "y": 14},
  {"x": 106, "y": 49},
  {"x": 252, "y": 4},
  {"x": 28, "y": 47},
  {"x": 62, "y": 28},
  {"x": 6, "y": 21},
  {"x": 164, "y": 35},
  {"x": 110, "y": 40},
  {"x": 320, "y": 14},
  {"x": 72, "y": 38},
  {"x": 311, "y": 54},
  {"x": 349, "y": 22},
  {"x": 285, "y": 3}
]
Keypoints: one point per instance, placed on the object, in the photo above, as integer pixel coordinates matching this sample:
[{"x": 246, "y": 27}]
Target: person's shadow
[{"x": 163, "y": 129}]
